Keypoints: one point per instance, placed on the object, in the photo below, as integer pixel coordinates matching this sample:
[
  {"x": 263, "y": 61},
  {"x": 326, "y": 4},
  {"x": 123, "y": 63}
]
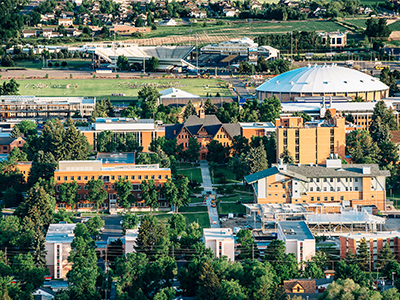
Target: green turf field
[
  {"x": 226, "y": 208},
  {"x": 395, "y": 26},
  {"x": 103, "y": 88},
  {"x": 235, "y": 30},
  {"x": 201, "y": 218},
  {"x": 192, "y": 174},
  {"x": 357, "y": 22}
]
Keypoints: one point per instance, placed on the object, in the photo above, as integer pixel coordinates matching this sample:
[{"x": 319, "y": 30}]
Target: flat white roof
[
  {"x": 176, "y": 93},
  {"x": 377, "y": 235},
  {"x": 217, "y": 233},
  {"x": 60, "y": 233}
]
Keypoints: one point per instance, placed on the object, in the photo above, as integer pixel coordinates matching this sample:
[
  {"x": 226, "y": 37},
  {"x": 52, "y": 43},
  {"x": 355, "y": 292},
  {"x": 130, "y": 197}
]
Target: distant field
[
  {"x": 395, "y": 26},
  {"x": 103, "y": 88},
  {"x": 357, "y": 22},
  {"x": 236, "y": 30},
  {"x": 71, "y": 64}
]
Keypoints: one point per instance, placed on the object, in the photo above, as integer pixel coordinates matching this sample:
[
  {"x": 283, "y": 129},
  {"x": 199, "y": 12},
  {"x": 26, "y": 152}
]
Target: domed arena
[{"x": 323, "y": 80}]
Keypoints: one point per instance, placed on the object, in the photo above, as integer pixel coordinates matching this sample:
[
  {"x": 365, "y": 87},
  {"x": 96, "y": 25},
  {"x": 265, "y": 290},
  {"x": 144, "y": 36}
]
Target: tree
[
  {"x": 232, "y": 290},
  {"x": 286, "y": 156},
  {"x": 15, "y": 132},
  {"x": 123, "y": 187},
  {"x": 285, "y": 265},
  {"x": 122, "y": 62},
  {"x": 94, "y": 225},
  {"x": 171, "y": 192},
  {"x": 153, "y": 238},
  {"x": 153, "y": 64},
  {"x": 344, "y": 270},
  {"x": 38, "y": 251},
  {"x": 190, "y": 110},
  {"x": 209, "y": 107},
  {"x": 248, "y": 248},
  {"x": 39, "y": 206},
  {"x": 240, "y": 144},
  {"x": 363, "y": 254},
  {"x": 192, "y": 152},
  {"x": 270, "y": 109},
  {"x": 106, "y": 141},
  {"x": 313, "y": 271},
  {"x": 385, "y": 255},
  {"x": 84, "y": 272},
  {"x": 209, "y": 285},
  {"x": 348, "y": 289},
  {"x": 9, "y": 88},
  {"x": 129, "y": 221},
  {"x": 68, "y": 192},
  {"x": 150, "y": 193},
  {"x": 43, "y": 166},
  {"x": 96, "y": 192},
  {"x": 217, "y": 152},
  {"x": 148, "y": 99},
  {"x": 361, "y": 147},
  {"x": 256, "y": 159},
  {"x": 177, "y": 224}
]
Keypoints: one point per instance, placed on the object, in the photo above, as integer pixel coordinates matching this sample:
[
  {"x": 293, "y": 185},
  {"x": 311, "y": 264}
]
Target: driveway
[
  {"x": 207, "y": 185},
  {"x": 205, "y": 174},
  {"x": 213, "y": 214}
]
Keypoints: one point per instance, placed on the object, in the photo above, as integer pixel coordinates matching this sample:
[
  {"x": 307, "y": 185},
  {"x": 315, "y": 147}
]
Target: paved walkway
[{"x": 207, "y": 185}]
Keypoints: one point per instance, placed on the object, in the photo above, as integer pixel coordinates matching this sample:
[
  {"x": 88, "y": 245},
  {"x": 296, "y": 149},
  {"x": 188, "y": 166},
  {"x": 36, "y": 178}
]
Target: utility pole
[{"x": 105, "y": 269}]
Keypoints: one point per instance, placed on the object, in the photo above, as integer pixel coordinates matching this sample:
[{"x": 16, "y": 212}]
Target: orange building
[
  {"x": 205, "y": 129},
  {"x": 144, "y": 130},
  {"x": 9, "y": 143},
  {"x": 248, "y": 130},
  {"x": 311, "y": 142},
  {"x": 355, "y": 184},
  {"x": 83, "y": 171},
  {"x": 375, "y": 242},
  {"x": 25, "y": 168}
]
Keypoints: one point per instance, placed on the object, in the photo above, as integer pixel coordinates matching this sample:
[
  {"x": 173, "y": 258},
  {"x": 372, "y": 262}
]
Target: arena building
[{"x": 323, "y": 80}]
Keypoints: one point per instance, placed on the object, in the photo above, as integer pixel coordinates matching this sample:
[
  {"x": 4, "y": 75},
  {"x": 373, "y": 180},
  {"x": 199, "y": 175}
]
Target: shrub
[
  {"x": 46, "y": 76},
  {"x": 49, "y": 64},
  {"x": 117, "y": 76},
  {"x": 64, "y": 64}
]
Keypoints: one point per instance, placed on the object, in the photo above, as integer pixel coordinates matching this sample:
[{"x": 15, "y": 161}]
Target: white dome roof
[{"x": 322, "y": 79}]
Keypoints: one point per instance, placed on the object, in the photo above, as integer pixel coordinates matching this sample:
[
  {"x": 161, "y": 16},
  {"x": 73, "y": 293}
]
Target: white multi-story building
[
  {"x": 221, "y": 242},
  {"x": 58, "y": 246}
]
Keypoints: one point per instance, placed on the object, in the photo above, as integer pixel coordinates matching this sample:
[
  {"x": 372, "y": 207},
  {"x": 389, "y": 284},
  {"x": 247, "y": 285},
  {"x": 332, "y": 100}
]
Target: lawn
[
  {"x": 357, "y": 22},
  {"x": 236, "y": 30},
  {"x": 196, "y": 200},
  {"x": 192, "y": 174},
  {"x": 226, "y": 208},
  {"x": 103, "y": 88},
  {"x": 187, "y": 165},
  {"x": 224, "y": 175},
  {"x": 193, "y": 209},
  {"x": 201, "y": 218},
  {"x": 244, "y": 199},
  {"x": 395, "y": 26}
]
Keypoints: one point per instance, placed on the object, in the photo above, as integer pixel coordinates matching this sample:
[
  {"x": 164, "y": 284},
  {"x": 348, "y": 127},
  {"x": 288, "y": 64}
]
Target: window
[
  {"x": 325, "y": 188},
  {"x": 152, "y": 177},
  {"x": 338, "y": 189},
  {"x": 85, "y": 178},
  {"x": 79, "y": 178},
  {"x": 132, "y": 177},
  {"x": 112, "y": 177},
  {"x": 58, "y": 178},
  {"x": 99, "y": 177},
  {"x": 119, "y": 177},
  {"x": 146, "y": 177},
  {"x": 317, "y": 179},
  {"x": 166, "y": 176},
  {"x": 91, "y": 177},
  {"x": 325, "y": 179},
  {"x": 126, "y": 177},
  {"x": 355, "y": 179},
  {"x": 311, "y": 189},
  {"x": 135, "y": 187},
  {"x": 318, "y": 199},
  {"x": 106, "y": 178},
  {"x": 140, "y": 177},
  {"x": 341, "y": 198},
  {"x": 356, "y": 188},
  {"x": 325, "y": 198},
  {"x": 159, "y": 176},
  {"x": 318, "y": 189},
  {"x": 347, "y": 189},
  {"x": 331, "y": 179},
  {"x": 312, "y": 198},
  {"x": 65, "y": 178},
  {"x": 332, "y": 198},
  {"x": 106, "y": 187},
  {"x": 112, "y": 186},
  {"x": 332, "y": 189}
]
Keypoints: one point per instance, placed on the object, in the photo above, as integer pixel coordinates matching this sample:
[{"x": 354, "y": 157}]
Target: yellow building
[
  {"x": 349, "y": 184},
  {"x": 311, "y": 142},
  {"x": 84, "y": 171}
]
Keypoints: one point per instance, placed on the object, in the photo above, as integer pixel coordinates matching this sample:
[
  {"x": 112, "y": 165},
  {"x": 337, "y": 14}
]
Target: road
[
  {"x": 239, "y": 86},
  {"x": 207, "y": 185},
  {"x": 112, "y": 227}
]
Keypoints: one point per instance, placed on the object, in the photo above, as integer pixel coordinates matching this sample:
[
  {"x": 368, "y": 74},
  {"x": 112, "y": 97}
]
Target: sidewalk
[{"x": 207, "y": 185}]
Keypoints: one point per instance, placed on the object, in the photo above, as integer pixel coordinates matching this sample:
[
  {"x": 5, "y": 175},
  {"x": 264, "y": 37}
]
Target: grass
[
  {"x": 196, "y": 200},
  {"x": 357, "y": 22},
  {"x": 103, "y": 88},
  {"x": 192, "y": 174},
  {"x": 395, "y": 26},
  {"x": 187, "y": 165},
  {"x": 201, "y": 218},
  {"x": 226, "y": 208},
  {"x": 193, "y": 209},
  {"x": 227, "y": 175},
  {"x": 244, "y": 199},
  {"x": 236, "y": 30}
]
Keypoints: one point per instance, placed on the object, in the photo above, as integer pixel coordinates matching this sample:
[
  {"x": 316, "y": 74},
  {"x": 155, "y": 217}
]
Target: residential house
[
  {"x": 70, "y": 32},
  {"x": 337, "y": 39},
  {"x": 67, "y": 15},
  {"x": 299, "y": 286},
  {"x": 347, "y": 184},
  {"x": 65, "y": 22},
  {"x": 204, "y": 129},
  {"x": 396, "y": 139},
  {"x": 255, "y": 5},
  {"x": 197, "y": 13},
  {"x": 29, "y": 33},
  {"x": 50, "y": 33},
  {"x": 9, "y": 143},
  {"x": 221, "y": 242},
  {"x": 230, "y": 12},
  {"x": 44, "y": 293},
  {"x": 128, "y": 30}
]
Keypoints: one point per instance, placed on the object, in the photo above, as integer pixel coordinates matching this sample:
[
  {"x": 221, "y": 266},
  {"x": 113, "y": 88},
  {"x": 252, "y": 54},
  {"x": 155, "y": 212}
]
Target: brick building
[
  {"x": 310, "y": 142},
  {"x": 84, "y": 171},
  {"x": 205, "y": 129},
  {"x": 355, "y": 184},
  {"x": 9, "y": 143}
]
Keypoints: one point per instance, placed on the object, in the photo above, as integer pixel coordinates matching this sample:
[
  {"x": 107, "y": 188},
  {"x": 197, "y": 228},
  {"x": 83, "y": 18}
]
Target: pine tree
[
  {"x": 190, "y": 110},
  {"x": 209, "y": 107},
  {"x": 15, "y": 132},
  {"x": 256, "y": 159},
  {"x": 363, "y": 255},
  {"x": 43, "y": 166},
  {"x": 39, "y": 206},
  {"x": 385, "y": 255},
  {"x": 209, "y": 285},
  {"x": 286, "y": 157},
  {"x": 165, "y": 161},
  {"x": 39, "y": 250}
]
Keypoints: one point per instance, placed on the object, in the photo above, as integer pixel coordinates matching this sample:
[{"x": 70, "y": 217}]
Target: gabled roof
[
  {"x": 7, "y": 140},
  {"x": 396, "y": 136},
  {"x": 308, "y": 285}
]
